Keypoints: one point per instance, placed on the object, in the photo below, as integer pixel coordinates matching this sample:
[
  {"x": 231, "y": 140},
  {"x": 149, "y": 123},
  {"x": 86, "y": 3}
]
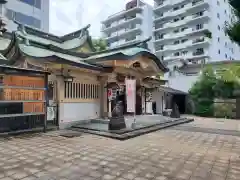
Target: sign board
[
  {"x": 131, "y": 94},
  {"x": 50, "y": 113}
]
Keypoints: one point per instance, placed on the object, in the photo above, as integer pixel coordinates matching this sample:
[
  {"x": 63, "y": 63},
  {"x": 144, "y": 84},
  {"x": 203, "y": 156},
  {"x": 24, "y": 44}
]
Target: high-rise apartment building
[
  {"x": 132, "y": 24},
  {"x": 34, "y": 13},
  {"x": 192, "y": 32}
]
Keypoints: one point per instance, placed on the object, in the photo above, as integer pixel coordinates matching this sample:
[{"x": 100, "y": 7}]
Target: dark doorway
[
  {"x": 138, "y": 104},
  {"x": 180, "y": 99},
  {"x": 154, "y": 107}
]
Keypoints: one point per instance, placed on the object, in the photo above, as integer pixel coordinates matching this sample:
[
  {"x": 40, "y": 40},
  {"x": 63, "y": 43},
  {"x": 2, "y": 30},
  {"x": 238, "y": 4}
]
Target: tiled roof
[
  {"x": 30, "y": 44},
  {"x": 67, "y": 42}
]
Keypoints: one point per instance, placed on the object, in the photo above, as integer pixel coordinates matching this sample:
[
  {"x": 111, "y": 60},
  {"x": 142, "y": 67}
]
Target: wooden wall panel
[
  {"x": 24, "y": 81},
  {"x": 36, "y": 107},
  {"x": 23, "y": 94}
]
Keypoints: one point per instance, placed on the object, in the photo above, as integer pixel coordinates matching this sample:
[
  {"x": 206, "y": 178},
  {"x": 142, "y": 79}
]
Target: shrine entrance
[{"x": 120, "y": 95}]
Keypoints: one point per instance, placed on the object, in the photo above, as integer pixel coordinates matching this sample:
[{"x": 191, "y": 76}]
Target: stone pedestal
[{"x": 117, "y": 123}]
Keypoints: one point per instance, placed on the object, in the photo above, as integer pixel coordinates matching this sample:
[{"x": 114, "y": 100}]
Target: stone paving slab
[
  {"x": 207, "y": 130},
  {"x": 214, "y": 123},
  {"x": 161, "y": 155}
]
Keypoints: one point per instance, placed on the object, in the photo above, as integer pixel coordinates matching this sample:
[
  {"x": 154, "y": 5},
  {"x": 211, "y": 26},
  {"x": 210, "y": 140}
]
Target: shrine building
[{"x": 81, "y": 78}]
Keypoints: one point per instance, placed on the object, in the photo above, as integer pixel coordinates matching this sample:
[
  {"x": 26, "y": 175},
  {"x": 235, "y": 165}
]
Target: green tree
[
  {"x": 233, "y": 30},
  {"x": 229, "y": 72},
  {"x": 99, "y": 44},
  {"x": 202, "y": 93}
]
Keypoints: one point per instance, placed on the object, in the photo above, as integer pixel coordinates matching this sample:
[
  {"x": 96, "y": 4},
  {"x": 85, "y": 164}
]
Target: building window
[
  {"x": 184, "y": 52},
  {"x": 176, "y": 19},
  {"x": 184, "y": 40},
  {"x": 176, "y": 31},
  {"x": 218, "y": 39},
  {"x": 35, "y": 3},
  {"x": 225, "y": 44},
  {"x": 176, "y": 42},
  {"x": 24, "y": 19},
  {"x": 160, "y": 36},
  {"x": 176, "y": 54},
  {"x": 225, "y": 11},
  {"x": 218, "y": 3},
  {"x": 161, "y": 47},
  {"x": 81, "y": 91},
  {"x": 226, "y": 56},
  {"x": 219, "y": 52},
  {"x": 183, "y": 29},
  {"x": 198, "y": 52},
  {"x": 198, "y": 14},
  {"x": 199, "y": 26},
  {"x": 218, "y": 15},
  {"x": 219, "y": 27},
  {"x": 176, "y": 8},
  {"x": 182, "y": 18}
]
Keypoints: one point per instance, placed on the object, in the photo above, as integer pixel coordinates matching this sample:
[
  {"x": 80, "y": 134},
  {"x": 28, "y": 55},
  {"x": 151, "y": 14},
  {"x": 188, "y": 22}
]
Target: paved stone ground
[
  {"x": 162, "y": 155},
  {"x": 214, "y": 123}
]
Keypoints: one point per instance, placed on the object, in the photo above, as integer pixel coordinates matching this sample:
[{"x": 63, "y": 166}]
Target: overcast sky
[{"x": 70, "y": 15}]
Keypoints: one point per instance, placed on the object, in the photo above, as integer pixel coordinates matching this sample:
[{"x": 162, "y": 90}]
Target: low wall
[
  {"x": 225, "y": 108},
  {"x": 71, "y": 113}
]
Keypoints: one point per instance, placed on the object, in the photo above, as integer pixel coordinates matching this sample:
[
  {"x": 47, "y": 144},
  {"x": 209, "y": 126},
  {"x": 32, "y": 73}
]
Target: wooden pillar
[
  {"x": 46, "y": 99},
  {"x": 60, "y": 97},
  {"x": 103, "y": 97}
]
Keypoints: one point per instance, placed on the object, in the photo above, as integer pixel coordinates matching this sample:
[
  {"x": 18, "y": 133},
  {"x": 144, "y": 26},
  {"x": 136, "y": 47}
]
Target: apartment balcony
[
  {"x": 124, "y": 42},
  {"x": 201, "y": 42},
  {"x": 162, "y": 5},
  {"x": 188, "y": 32},
  {"x": 122, "y": 24},
  {"x": 205, "y": 16},
  {"x": 199, "y": 30},
  {"x": 197, "y": 5},
  {"x": 187, "y": 20},
  {"x": 172, "y": 25},
  {"x": 189, "y": 55},
  {"x": 204, "y": 41},
  {"x": 120, "y": 15},
  {"x": 124, "y": 34}
]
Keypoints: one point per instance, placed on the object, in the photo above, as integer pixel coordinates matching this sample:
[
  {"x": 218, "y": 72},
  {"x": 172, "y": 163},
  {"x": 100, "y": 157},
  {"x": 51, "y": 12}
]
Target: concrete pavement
[{"x": 162, "y": 155}]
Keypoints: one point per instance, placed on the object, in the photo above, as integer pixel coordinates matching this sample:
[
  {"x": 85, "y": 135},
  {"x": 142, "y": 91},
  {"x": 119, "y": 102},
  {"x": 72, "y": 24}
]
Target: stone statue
[
  {"x": 117, "y": 121},
  {"x": 118, "y": 110},
  {"x": 175, "y": 111}
]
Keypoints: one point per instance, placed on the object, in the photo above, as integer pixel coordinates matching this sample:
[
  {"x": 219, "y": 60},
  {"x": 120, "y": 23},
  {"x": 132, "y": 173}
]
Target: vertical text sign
[{"x": 131, "y": 94}]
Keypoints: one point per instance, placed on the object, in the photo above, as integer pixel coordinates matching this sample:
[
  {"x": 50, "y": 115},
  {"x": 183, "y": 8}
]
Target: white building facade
[
  {"x": 192, "y": 32},
  {"x": 34, "y": 13},
  {"x": 132, "y": 24}
]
